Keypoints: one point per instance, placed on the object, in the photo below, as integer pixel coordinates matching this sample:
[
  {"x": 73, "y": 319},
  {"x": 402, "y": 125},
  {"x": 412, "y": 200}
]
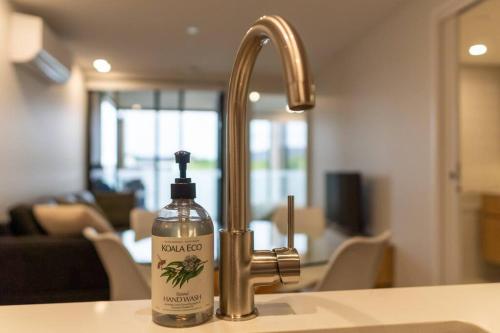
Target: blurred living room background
[{"x": 98, "y": 95}]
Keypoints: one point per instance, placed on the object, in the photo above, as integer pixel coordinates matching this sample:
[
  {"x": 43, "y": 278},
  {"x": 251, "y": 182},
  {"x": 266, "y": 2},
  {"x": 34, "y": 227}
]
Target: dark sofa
[
  {"x": 38, "y": 268},
  {"x": 45, "y": 269}
]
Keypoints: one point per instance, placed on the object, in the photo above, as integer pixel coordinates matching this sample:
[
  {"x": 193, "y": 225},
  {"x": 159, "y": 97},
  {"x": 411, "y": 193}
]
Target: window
[
  {"x": 278, "y": 147},
  {"x": 139, "y": 133}
]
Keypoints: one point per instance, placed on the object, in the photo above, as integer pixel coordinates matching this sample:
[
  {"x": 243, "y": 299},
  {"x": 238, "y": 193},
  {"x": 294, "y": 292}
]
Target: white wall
[
  {"x": 42, "y": 125},
  {"x": 480, "y": 128},
  {"x": 374, "y": 115}
]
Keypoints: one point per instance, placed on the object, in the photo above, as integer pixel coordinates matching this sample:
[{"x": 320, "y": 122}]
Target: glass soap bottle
[{"x": 182, "y": 262}]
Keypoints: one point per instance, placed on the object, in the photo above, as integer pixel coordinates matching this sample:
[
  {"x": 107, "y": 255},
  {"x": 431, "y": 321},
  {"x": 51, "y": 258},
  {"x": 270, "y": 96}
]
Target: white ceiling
[
  {"x": 481, "y": 25},
  {"x": 147, "y": 39}
]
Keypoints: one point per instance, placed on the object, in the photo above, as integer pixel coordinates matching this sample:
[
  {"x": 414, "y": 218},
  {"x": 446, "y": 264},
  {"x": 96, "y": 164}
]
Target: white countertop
[{"x": 477, "y": 304}]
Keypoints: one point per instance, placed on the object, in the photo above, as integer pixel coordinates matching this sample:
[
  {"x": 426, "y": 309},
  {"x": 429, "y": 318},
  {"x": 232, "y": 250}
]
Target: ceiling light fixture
[
  {"x": 102, "y": 65},
  {"x": 192, "y": 30},
  {"x": 254, "y": 96},
  {"x": 478, "y": 49}
]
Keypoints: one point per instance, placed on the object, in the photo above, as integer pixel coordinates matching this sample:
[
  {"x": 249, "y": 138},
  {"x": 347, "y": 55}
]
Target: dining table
[{"x": 314, "y": 252}]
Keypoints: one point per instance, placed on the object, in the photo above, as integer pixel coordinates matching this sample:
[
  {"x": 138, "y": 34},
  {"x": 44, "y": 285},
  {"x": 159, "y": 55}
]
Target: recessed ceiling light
[
  {"x": 293, "y": 111},
  {"x": 102, "y": 65},
  {"x": 254, "y": 96},
  {"x": 192, "y": 30},
  {"x": 478, "y": 49}
]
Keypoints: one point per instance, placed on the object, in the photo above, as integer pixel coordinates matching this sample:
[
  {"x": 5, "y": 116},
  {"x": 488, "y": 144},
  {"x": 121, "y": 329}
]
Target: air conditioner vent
[{"x": 34, "y": 45}]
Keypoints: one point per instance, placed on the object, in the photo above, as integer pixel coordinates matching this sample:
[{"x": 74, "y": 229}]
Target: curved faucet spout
[
  {"x": 240, "y": 267},
  {"x": 300, "y": 96}
]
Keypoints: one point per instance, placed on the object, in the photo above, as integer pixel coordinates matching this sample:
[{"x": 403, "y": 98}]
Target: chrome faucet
[{"x": 241, "y": 268}]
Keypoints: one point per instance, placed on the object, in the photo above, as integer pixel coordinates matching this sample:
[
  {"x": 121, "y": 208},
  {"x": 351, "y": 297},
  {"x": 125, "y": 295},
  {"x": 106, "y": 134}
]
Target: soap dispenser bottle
[{"x": 182, "y": 268}]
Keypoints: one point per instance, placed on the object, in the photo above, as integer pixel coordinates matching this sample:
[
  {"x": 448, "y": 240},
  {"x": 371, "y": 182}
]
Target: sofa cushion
[
  {"x": 82, "y": 197},
  {"x": 5, "y": 229},
  {"x": 68, "y": 220},
  {"x": 23, "y": 221},
  {"x": 43, "y": 269}
]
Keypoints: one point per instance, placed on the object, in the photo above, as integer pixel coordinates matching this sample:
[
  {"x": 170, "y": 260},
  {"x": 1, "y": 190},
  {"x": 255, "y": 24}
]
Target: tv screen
[{"x": 344, "y": 202}]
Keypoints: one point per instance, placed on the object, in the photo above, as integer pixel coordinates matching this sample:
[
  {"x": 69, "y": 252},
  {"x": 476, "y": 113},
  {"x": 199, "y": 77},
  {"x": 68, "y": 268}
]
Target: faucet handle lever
[
  {"x": 287, "y": 257},
  {"x": 288, "y": 261},
  {"x": 291, "y": 221}
]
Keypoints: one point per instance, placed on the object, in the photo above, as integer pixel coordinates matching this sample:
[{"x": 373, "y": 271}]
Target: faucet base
[
  {"x": 248, "y": 316},
  {"x": 236, "y": 300}
]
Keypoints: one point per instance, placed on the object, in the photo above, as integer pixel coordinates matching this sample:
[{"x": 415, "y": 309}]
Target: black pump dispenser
[{"x": 183, "y": 188}]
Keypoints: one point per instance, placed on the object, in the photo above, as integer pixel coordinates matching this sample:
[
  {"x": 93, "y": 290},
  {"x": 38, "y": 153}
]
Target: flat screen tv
[{"x": 344, "y": 202}]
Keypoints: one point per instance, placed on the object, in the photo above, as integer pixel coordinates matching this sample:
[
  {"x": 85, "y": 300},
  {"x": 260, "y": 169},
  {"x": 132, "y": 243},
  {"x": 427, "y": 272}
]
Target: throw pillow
[{"x": 69, "y": 220}]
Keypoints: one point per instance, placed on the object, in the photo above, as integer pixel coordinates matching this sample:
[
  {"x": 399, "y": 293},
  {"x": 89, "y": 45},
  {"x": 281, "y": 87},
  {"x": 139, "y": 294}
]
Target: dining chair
[
  {"x": 308, "y": 220},
  {"x": 141, "y": 221},
  {"x": 127, "y": 282},
  {"x": 354, "y": 264}
]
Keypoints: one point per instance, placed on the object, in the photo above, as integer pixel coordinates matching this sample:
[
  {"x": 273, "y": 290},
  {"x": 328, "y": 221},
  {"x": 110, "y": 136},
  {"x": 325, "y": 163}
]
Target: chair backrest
[
  {"x": 141, "y": 221},
  {"x": 355, "y": 264},
  {"x": 308, "y": 220},
  {"x": 126, "y": 281}
]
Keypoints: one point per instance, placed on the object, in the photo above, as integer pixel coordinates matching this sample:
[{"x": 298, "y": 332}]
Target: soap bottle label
[{"x": 182, "y": 274}]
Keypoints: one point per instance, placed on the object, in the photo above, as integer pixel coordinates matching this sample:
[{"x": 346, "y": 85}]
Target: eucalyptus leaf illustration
[{"x": 180, "y": 272}]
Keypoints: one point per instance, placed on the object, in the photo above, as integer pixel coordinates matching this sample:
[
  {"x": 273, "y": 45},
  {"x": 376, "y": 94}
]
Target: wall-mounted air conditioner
[{"x": 34, "y": 45}]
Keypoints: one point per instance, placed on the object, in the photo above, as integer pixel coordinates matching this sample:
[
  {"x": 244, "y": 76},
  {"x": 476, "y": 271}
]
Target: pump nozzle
[
  {"x": 183, "y": 188},
  {"x": 182, "y": 158}
]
